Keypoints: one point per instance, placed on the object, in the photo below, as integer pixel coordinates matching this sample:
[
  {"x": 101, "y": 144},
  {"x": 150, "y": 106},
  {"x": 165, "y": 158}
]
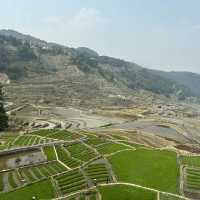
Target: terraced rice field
[
  {"x": 94, "y": 167},
  {"x": 109, "y": 148},
  {"x": 64, "y": 157},
  {"x": 29, "y": 140},
  {"x": 98, "y": 173},
  {"x": 49, "y": 152},
  {"x": 6, "y": 141},
  {"x": 81, "y": 152},
  {"x": 192, "y": 179},
  {"x": 44, "y": 132},
  {"x": 193, "y": 161},
  {"x": 10, "y": 180},
  {"x": 71, "y": 182},
  {"x": 57, "y": 134},
  {"x": 95, "y": 141},
  {"x": 38, "y": 172}
]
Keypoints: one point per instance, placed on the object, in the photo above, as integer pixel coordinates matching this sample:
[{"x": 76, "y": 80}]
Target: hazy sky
[{"x": 160, "y": 34}]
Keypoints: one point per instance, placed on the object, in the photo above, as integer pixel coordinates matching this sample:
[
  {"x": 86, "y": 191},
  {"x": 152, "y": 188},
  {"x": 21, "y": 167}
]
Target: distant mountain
[
  {"x": 188, "y": 79},
  {"x": 23, "y": 57}
]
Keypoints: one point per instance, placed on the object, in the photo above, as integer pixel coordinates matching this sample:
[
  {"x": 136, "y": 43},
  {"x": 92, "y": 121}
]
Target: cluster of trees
[{"x": 3, "y": 116}]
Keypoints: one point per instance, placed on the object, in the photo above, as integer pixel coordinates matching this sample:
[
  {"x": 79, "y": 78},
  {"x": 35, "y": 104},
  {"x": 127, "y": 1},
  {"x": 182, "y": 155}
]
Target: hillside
[
  {"x": 188, "y": 79},
  {"x": 80, "y": 72}
]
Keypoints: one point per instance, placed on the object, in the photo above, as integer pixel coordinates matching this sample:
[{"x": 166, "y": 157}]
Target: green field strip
[
  {"x": 74, "y": 189},
  {"x": 111, "y": 148},
  {"x": 44, "y": 133},
  {"x": 1, "y": 182},
  {"x": 11, "y": 179},
  {"x": 31, "y": 139},
  {"x": 89, "y": 170},
  {"x": 133, "y": 144},
  {"x": 95, "y": 141},
  {"x": 59, "y": 167},
  {"x": 49, "y": 152},
  {"x": 44, "y": 170},
  {"x": 64, "y": 157},
  {"x": 71, "y": 185},
  {"x": 68, "y": 181},
  {"x": 19, "y": 141},
  {"x": 40, "y": 172},
  {"x": 69, "y": 176},
  {"x": 26, "y": 141},
  {"x": 51, "y": 169},
  {"x": 42, "y": 141},
  {"x": 36, "y": 172},
  {"x": 164, "y": 196},
  {"x": 193, "y": 161},
  {"x": 37, "y": 140},
  {"x": 27, "y": 175}
]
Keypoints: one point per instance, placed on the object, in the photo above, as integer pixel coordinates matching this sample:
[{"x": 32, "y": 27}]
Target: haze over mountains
[{"x": 26, "y": 59}]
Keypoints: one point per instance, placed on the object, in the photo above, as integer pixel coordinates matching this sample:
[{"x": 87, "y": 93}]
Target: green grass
[
  {"x": 64, "y": 135},
  {"x": 111, "y": 148},
  {"x": 71, "y": 181},
  {"x": 49, "y": 152},
  {"x": 123, "y": 192},
  {"x": 136, "y": 145},
  {"x": 98, "y": 172},
  {"x": 44, "y": 132},
  {"x": 151, "y": 168},
  {"x": 193, "y": 161},
  {"x": 41, "y": 190},
  {"x": 1, "y": 182},
  {"x": 169, "y": 197},
  {"x": 95, "y": 141},
  {"x": 65, "y": 158},
  {"x": 11, "y": 179},
  {"x": 193, "y": 179},
  {"x": 81, "y": 152}
]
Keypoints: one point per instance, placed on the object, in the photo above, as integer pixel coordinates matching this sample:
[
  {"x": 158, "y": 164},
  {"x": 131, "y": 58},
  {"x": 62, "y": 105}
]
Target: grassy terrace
[
  {"x": 148, "y": 168},
  {"x": 132, "y": 144},
  {"x": 41, "y": 190},
  {"x": 98, "y": 172},
  {"x": 70, "y": 182},
  {"x": 49, "y": 152},
  {"x": 35, "y": 173},
  {"x": 81, "y": 152},
  {"x": 29, "y": 140},
  {"x": 65, "y": 158},
  {"x": 193, "y": 161},
  {"x": 109, "y": 148},
  {"x": 169, "y": 197},
  {"x": 44, "y": 132},
  {"x": 63, "y": 135},
  {"x": 123, "y": 192},
  {"x": 95, "y": 141},
  {"x": 193, "y": 179}
]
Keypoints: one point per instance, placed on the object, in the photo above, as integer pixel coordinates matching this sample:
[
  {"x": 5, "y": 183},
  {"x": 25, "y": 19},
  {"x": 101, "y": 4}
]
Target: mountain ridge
[{"x": 27, "y": 58}]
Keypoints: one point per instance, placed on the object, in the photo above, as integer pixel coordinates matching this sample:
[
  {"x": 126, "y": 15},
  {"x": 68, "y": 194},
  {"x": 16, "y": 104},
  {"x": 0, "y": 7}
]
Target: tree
[{"x": 3, "y": 116}]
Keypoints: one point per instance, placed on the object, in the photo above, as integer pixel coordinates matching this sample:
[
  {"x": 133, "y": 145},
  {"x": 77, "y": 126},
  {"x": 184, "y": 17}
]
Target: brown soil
[{"x": 188, "y": 148}]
